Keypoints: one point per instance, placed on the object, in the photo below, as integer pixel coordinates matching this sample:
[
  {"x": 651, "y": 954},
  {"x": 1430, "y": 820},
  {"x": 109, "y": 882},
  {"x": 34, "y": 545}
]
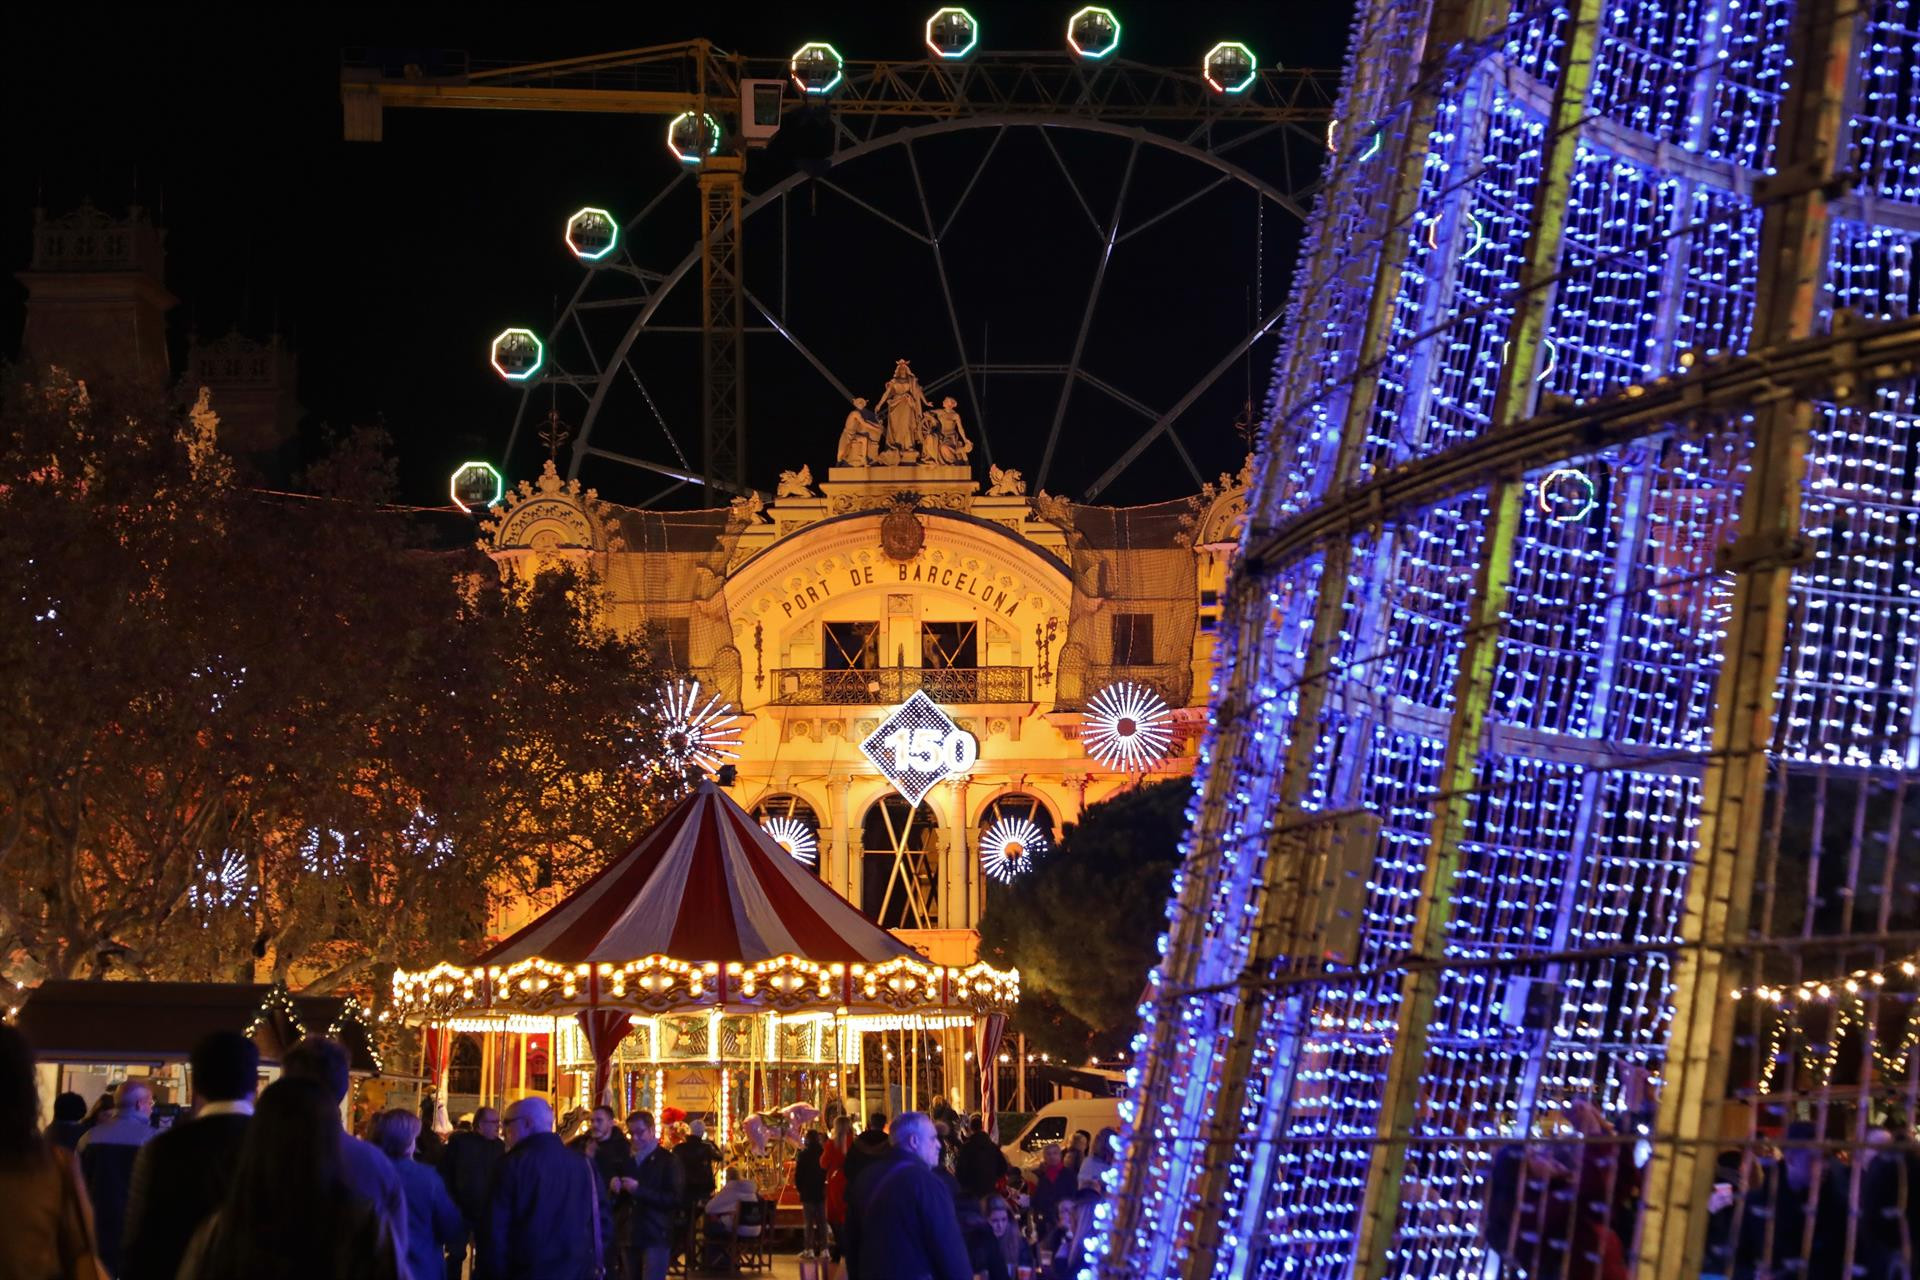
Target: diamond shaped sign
[{"x": 918, "y": 745}]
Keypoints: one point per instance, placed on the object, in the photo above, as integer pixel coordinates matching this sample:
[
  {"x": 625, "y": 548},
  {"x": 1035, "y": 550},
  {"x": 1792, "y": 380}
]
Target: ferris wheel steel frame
[{"x": 897, "y": 103}]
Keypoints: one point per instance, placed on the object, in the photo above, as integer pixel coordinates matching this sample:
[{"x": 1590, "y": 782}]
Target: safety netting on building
[
  {"x": 670, "y": 583},
  {"x": 1136, "y": 605},
  {"x": 1508, "y": 942}
]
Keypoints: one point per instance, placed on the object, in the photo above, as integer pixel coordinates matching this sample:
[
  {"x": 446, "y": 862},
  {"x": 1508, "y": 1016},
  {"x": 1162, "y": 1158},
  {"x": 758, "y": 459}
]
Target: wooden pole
[{"x": 1020, "y": 1073}]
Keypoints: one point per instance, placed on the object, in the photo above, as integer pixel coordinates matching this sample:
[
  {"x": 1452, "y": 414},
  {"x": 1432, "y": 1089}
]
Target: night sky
[{"x": 389, "y": 266}]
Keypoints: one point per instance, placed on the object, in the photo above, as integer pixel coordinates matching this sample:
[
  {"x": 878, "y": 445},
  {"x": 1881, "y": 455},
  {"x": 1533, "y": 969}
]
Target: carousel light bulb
[
  {"x": 1128, "y": 726},
  {"x": 795, "y": 836},
  {"x": 1007, "y": 848},
  {"x": 698, "y": 734}
]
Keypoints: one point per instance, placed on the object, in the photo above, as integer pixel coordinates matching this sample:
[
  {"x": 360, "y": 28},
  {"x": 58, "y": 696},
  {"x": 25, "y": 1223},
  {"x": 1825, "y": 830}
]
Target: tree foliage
[
  {"x": 1082, "y": 926},
  {"x": 248, "y": 735}
]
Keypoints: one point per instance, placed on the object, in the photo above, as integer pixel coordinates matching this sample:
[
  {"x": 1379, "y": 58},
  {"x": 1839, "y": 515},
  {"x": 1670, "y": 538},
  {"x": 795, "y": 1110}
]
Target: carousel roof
[{"x": 706, "y": 882}]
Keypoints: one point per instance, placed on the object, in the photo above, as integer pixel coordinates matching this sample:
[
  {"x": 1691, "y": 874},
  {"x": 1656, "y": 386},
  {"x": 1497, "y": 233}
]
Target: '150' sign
[{"x": 918, "y": 746}]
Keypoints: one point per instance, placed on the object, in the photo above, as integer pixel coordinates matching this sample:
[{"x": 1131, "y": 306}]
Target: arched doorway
[
  {"x": 900, "y": 847},
  {"x": 793, "y": 825}
]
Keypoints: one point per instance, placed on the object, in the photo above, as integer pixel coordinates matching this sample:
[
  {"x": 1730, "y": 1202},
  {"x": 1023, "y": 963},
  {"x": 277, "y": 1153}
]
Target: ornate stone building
[{"x": 1049, "y": 632}]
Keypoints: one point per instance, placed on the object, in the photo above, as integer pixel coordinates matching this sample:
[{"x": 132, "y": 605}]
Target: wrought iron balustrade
[{"x": 883, "y": 686}]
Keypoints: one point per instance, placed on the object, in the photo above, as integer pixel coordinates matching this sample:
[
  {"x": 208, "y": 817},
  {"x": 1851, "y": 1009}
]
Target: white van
[{"x": 1057, "y": 1122}]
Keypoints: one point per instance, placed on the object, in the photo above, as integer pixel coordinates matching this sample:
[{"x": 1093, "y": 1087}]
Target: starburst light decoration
[
  {"x": 1128, "y": 726},
  {"x": 1008, "y": 846},
  {"x": 795, "y": 836},
  {"x": 222, "y": 881},
  {"x": 699, "y": 734}
]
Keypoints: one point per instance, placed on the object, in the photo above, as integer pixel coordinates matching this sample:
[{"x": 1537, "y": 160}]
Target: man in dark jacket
[
  {"x": 107, "y": 1153},
  {"x": 543, "y": 1218},
  {"x": 980, "y": 1164},
  {"x": 182, "y": 1175},
  {"x": 900, "y": 1218},
  {"x": 868, "y": 1146},
  {"x": 468, "y": 1163},
  {"x": 655, "y": 1193},
  {"x": 697, "y": 1159}
]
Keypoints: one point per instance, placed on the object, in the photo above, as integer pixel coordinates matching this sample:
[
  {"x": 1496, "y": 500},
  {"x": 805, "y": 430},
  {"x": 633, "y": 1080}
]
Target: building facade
[{"x": 810, "y": 620}]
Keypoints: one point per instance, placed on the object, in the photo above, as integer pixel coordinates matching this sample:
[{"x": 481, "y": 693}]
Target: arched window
[
  {"x": 1016, "y": 830},
  {"x": 793, "y": 825},
  {"x": 463, "y": 1066},
  {"x": 900, "y": 864}
]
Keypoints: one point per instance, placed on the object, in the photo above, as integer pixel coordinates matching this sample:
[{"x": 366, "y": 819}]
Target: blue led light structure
[
  {"x": 1469, "y": 670},
  {"x": 952, "y": 33}
]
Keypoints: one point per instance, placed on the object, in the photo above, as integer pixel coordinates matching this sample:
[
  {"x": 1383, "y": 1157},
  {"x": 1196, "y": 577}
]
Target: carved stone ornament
[
  {"x": 901, "y": 532},
  {"x": 1053, "y": 509},
  {"x": 1004, "y": 482},
  {"x": 796, "y": 484},
  {"x": 550, "y": 514},
  {"x": 745, "y": 510}
]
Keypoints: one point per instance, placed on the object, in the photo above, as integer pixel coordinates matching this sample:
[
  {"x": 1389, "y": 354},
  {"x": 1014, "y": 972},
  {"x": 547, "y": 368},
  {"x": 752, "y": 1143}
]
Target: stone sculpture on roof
[
  {"x": 902, "y": 406},
  {"x": 859, "y": 437}
]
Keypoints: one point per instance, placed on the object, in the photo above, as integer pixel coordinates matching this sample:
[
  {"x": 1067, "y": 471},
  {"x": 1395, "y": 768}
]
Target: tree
[
  {"x": 1081, "y": 926},
  {"x": 247, "y": 734}
]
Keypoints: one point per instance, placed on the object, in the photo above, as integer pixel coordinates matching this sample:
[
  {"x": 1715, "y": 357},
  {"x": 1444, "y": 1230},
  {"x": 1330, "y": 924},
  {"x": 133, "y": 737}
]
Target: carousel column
[{"x": 837, "y": 861}]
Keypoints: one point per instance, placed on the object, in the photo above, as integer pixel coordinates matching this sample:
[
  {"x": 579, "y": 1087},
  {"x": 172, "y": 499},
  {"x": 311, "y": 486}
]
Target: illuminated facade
[
  {"x": 812, "y": 620},
  {"x": 1559, "y": 576}
]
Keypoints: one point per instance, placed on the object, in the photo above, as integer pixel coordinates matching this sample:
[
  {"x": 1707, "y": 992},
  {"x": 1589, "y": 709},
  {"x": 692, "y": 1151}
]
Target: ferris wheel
[{"x": 1023, "y": 225}]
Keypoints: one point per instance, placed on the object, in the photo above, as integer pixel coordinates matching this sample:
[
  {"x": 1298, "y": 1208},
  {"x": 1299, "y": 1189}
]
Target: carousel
[{"x": 706, "y": 971}]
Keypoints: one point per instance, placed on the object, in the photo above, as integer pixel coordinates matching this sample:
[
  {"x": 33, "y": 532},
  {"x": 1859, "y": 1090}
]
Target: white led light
[
  {"x": 1007, "y": 847},
  {"x": 698, "y": 734},
  {"x": 1128, "y": 726},
  {"x": 795, "y": 836}
]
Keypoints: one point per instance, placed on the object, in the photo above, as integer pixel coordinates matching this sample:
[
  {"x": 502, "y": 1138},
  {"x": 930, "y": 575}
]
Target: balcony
[{"x": 884, "y": 686}]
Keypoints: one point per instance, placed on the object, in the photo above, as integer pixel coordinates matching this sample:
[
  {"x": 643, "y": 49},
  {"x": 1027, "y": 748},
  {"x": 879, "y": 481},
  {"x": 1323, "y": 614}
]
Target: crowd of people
[{"x": 264, "y": 1183}]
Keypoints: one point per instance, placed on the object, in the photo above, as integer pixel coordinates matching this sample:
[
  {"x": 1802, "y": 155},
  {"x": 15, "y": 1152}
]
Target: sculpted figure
[
  {"x": 859, "y": 436},
  {"x": 746, "y": 509},
  {"x": 796, "y": 484},
  {"x": 947, "y": 442},
  {"x": 1004, "y": 482},
  {"x": 900, "y": 406}
]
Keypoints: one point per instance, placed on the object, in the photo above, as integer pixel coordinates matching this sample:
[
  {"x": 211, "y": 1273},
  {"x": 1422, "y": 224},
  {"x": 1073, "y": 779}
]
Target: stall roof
[{"x": 118, "y": 1022}]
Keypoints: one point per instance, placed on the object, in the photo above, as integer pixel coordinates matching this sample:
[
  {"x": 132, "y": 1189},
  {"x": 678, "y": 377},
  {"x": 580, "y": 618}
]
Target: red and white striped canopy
[{"x": 706, "y": 884}]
